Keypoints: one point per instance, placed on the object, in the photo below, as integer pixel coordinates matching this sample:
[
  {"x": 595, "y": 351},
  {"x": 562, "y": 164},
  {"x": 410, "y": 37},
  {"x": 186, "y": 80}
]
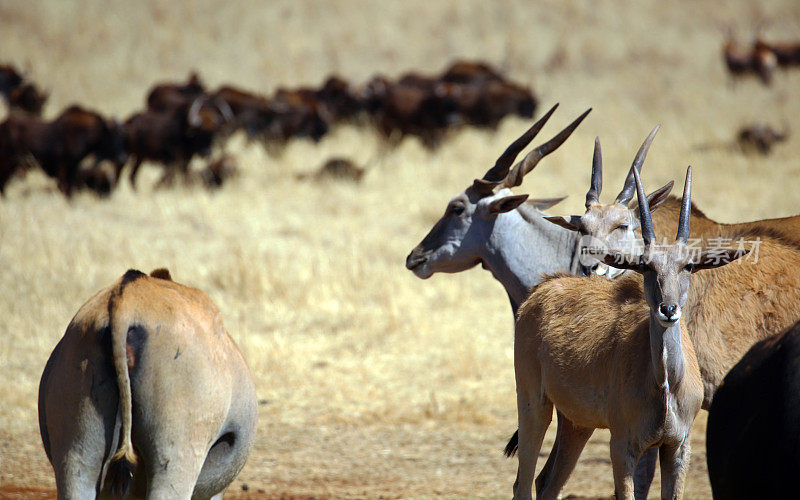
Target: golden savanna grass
[{"x": 373, "y": 383}]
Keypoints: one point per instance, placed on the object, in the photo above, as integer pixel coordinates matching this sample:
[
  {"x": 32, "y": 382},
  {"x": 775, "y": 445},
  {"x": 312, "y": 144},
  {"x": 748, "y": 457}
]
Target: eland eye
[
  {"x": 622, "y": 227},
  {"x": 689, "y": 267},
  {"x": 458, "y": 209}
]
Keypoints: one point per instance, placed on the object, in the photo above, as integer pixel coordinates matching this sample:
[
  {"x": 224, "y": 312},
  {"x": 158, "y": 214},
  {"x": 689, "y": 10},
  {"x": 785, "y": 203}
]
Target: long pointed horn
[
  {"x": 648, "y": 233},
  {"x": 518, "y": 172},
  {"x": 596, "y": 186},
  {"x": 194, "y": 112},
  {"x": 224, "y": 108},
  {"x": 626, "y": 194},
  {"x": 686, "y": 208},
  {"x": 500, "y": 169}
]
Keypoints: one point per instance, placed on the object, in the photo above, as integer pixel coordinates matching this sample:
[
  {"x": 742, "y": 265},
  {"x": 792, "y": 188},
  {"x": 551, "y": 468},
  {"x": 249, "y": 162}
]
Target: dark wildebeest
[
  {"x": 759, "y": 61},
  {"x": 336, "y": 168},
  {"x": 469, "y": 72},
  {"x": 20, "y": 94},
  {"x": 411, "y": 106},
  {"x": 61, "y": 145},
  {"x": 10, "y": 79},
  {"x": 786, "y": 53},
  {"x": 218, "y": 171},
  {"x": 298, "y": 113},
  {"x": 251, "y": 112},
  {"x": 753, "y": 430},
  {"x": 760, "y": 137},
  {"x": 339, "y": 99},
  {"x": 166, "y": 96},
  {"x": 27, "y": 97},
  {"x": 173, "y": 137}
]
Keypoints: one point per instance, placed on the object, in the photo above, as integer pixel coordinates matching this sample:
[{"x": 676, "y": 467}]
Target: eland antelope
[
  {"x": 487, "y": 224},
  {"x": 612, "y": 354},
  {"x": 727, "y": 310},
  {"x": 146, "y": 394}
]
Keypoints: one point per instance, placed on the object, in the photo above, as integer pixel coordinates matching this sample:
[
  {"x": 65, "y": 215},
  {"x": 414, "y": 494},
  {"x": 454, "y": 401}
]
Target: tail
[
  {"x": 512, "y": 446},
  {"x": 123, "y": 464}
]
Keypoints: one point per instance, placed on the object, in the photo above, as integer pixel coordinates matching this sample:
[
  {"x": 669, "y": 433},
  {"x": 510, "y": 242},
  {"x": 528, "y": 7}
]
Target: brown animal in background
[
  {"x": 336, "y": 168},
  {"x": 339, "y": 99},
  {"x": 218, "y": 171},
  {"x": 471, "y": 72},
  {"x": 10, "y": 79},
  {"x": 251, "y": 112},
  {"x": 166, "y": 96},
  {"x": 61, "y": 145},
  {"x": 20, "y": 94},
  {"x": 760, "y": 137},
  {"x": 411, "y": 106},
  {"x": 298, "y": 113},
  {"x": 786, "y": 53},
  {"x": 27, "y": 97},
  {"x": 173, "y": 137},
  {"x": 759, "y": 61}
]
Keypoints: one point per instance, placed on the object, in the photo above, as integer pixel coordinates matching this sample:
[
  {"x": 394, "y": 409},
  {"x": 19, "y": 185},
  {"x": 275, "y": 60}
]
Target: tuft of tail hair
[
  {"x": 119, "y": 477},
  {"x": 512, "y": 446}
]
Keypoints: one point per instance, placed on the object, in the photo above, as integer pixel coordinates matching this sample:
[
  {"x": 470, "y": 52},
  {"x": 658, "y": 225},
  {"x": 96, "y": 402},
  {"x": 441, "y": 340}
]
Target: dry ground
[{"x": 373, "y": 383}]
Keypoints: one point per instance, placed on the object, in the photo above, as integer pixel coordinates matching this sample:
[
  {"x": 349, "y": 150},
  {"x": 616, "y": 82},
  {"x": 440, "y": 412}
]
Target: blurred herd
[{"x": 83, "y": 149}]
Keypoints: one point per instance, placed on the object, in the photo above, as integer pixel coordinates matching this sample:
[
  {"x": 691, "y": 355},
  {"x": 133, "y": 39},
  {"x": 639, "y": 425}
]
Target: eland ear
[
  {"x": 622, "y": 261},
  {"x": 659, "y": 196},
  {"x": 545, "y": 203},
  {"x": 506, "y": 203},
  {"x": 573, "y": 224},
  {"x": 718, "y": 257}
]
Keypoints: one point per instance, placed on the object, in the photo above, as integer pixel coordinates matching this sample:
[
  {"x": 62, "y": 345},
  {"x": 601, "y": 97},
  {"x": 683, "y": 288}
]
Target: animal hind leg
[
  {"x": 534, "y": 414},
  {"x": 643, "y": 476},
  {"x": 544, "y": 475},
  {"x": 573, "y": 438},
  {"x": 134, "y": 169}
]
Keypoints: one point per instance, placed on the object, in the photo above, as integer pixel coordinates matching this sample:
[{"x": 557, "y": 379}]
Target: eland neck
[
  {"x": 666, "y": 353},
  {"x": 523, "y": 247}
]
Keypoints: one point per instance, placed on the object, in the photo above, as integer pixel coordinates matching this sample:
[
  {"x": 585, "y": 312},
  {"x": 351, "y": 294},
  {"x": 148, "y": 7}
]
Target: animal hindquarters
[{"x": 78, "y": 401}]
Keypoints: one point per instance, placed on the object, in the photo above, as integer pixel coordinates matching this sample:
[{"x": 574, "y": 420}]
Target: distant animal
[
  {"x": 173, "y": 137},
  {"x": 786, "y": 53},
  {"x": 218, "y": 171},
  {"x": 613, "y": 354},
  {"x": 339, "y": 99},
  {"x": 99, "y": 177},
  {"x": 59, "y": 146},
  {"x": 298, "y": 113},
  {"x": 146, "y": 395},
  {"x": 411, "y": 106},
  {"x": 10, "y": 79},
  {"x": 753, "y": 429},
  {"x": 759, "y": 61},
  {"x": 471, "y": 72},
  {"x": 166, "y": 96},
  {"x": 28, "y": 98},
  {"x": 251, "y": 112},
  {"x": 760, "y": 137},
  {"x": 336, "y": 168},
  {"x": 19, "y": 93}
]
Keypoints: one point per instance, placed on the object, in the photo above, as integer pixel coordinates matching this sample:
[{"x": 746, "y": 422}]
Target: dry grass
[{"x": 373, "y": 382}]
